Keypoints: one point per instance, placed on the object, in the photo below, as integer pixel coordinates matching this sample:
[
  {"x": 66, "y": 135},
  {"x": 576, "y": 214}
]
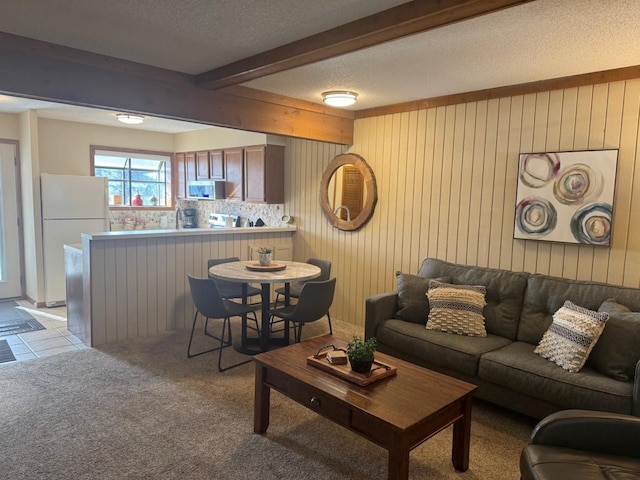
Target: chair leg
[
  {"x": 299, "y": 333},
  {"x": 330, "y": 327},
  {"x": 225, "y": 325},
  {"x": 275, "y": 303},
  {"x": 193, "y": 327}
]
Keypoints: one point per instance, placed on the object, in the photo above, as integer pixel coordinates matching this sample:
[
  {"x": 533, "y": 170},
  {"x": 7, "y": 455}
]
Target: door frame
[{"x": 16, "y": 145}]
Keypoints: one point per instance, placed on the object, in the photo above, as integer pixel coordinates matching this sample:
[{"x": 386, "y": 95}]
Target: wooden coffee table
[{"x": 398, "y": 413}]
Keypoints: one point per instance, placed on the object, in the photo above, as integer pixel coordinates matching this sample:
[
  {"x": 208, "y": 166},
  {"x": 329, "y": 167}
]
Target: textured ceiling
[{"x": 535, "y": 41}]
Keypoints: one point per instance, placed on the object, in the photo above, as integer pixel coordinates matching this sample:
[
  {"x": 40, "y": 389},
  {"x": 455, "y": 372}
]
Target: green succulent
[
  {"x": 360, "y": 350},
  {"x": 265, "y": 250}
]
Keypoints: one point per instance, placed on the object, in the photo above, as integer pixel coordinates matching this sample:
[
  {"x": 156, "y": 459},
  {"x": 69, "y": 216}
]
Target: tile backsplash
[{"x": 149, "y": 219}]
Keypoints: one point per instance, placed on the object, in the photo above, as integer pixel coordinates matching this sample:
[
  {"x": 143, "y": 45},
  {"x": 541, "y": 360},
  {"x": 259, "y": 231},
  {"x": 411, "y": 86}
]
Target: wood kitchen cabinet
[
  {"x": 216, "y": 165},
  {"x": 264, "y": 174},
  {"x": 202, "y": 165},
  {"x": 180, "y": 172},
  {"x": 190, "y": 166},
  {"x": 233, "y": 167}
]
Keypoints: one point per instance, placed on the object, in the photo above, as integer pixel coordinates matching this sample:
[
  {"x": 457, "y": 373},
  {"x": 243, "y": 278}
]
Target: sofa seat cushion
[
  {"x": 544, "y": 462},
  {"x": 516, "y": 367},
  {"x": 442, "y": 349}
]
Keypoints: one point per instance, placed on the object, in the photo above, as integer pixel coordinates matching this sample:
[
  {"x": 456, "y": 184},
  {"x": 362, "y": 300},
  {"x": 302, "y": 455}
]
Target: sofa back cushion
[
  {"x": 545, "y": 295},
  {"x": 505, "y": 292},
  {"x": 413, "y": 303},
  {"x": 618, "y": 349}
]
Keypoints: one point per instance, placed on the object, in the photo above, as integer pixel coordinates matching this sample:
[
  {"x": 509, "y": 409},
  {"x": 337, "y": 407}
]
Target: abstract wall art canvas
[{"x": 566, "y": 196}]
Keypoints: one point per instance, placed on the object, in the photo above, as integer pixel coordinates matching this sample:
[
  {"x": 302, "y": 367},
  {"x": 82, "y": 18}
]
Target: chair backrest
[
  {"x": 217, "y": 261},
  {"x": 206, "y": 297},
  {"x": 315, "y": 300},
  {"x": 224, "y": 284},
  {"x": 325, "y": 268}
]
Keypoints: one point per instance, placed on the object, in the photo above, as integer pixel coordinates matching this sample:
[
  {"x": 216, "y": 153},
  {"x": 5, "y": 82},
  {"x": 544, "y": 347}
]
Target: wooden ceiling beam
[
  {"x": 44, "y": 71},
  {"x": 406, "y": 19}
]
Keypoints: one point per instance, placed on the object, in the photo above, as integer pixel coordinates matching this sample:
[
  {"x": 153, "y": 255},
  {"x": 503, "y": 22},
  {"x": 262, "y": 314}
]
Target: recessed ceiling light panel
[
  {"x": 130, "y": 119},
  {"x": 339, "y": 98}
]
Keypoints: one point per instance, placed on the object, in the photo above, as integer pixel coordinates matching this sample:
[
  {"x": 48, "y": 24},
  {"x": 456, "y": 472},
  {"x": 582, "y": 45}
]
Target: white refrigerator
[{"x": 71, "y": 205}]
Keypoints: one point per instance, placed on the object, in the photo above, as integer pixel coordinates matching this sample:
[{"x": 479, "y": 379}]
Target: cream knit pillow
[
  {"x": 572, "y": 335},
  {"x": 456, "y": 308}
]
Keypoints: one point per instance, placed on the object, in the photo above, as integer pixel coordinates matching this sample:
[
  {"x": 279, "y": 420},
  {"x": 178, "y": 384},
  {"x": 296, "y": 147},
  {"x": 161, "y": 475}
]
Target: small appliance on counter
[
  {"x": 190, "y": 218},
  {"x": 221, "y": 220}
]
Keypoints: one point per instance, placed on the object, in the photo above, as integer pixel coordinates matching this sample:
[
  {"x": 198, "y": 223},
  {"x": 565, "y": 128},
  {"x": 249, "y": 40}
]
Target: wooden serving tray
[
  {"x": 272, "y": 267},
  {"x": 384, "y": 370}
]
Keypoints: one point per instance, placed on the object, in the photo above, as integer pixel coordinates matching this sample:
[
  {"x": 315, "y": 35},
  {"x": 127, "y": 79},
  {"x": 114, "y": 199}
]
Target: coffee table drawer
[{"x": 320, "y": 403}]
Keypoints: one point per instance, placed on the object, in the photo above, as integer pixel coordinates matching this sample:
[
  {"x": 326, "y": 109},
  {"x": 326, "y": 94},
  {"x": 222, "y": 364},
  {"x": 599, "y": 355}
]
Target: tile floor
[{"x": 55, "y": 338}]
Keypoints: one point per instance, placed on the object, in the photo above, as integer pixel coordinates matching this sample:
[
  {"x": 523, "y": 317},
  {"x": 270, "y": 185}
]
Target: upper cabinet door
[
  {"x": 264, "y": 174},
  {"x": 255, "y": 175},
  {"x": 216, "y": 164},
  {"x": 181, "y": 176},
  {"x": 190, "y": 165},
  {"x": 234, "y": 174},
  {"x": 202, "y": 165}
]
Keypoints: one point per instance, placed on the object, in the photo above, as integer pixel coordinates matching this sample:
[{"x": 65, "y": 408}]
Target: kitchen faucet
[
  {"x": 346, "y": 208},
  {"x": 178, "y": 217}
]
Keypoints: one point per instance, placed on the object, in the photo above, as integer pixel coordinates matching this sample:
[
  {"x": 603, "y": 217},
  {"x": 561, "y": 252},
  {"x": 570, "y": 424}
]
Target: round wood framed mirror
[{"x": 348, "y": 192}]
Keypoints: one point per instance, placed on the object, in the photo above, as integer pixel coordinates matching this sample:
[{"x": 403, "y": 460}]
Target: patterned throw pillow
[
  {"x": 571, "y": 337},
  {"x": 457, "y": 308}
]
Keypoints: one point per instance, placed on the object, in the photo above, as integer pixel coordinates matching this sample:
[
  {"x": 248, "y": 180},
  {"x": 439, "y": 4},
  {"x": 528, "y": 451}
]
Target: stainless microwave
[{"x": 206, "y": 189}]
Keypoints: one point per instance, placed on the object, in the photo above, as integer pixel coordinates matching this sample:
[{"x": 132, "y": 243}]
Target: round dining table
[{"x": 246, "y": 272}]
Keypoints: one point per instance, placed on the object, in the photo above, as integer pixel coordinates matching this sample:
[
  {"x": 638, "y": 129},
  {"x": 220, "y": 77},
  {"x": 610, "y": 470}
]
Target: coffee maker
[{"x": 190, "y": 218}]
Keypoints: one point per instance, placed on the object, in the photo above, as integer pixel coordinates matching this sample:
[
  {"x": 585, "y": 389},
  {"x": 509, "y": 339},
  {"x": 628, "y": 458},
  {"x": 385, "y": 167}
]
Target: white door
[{"x": 10, "y": 265}]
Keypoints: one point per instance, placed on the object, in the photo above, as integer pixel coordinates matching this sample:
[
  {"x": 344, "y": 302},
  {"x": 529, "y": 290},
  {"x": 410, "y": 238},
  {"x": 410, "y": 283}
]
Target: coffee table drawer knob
[{"x": 315, "y": 401}]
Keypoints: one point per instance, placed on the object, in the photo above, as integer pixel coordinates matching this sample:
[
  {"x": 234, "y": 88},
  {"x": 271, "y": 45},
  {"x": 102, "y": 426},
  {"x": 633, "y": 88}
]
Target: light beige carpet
[{"x": 142, "y": 410}]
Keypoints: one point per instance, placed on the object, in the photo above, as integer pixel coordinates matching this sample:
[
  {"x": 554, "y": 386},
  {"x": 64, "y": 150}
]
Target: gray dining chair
[
  {"x": 230, "y": 290},
  {"x": 210, "y": 304},
  {"x": 296, "y": 287},
  {"x": 313, "y": 304}
]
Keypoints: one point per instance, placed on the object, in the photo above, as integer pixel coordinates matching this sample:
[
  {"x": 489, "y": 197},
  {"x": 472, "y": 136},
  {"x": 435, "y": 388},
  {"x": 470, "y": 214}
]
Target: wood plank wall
[
  {"x": 447, "y": 187},
  {"x": 139, "y": 287}
]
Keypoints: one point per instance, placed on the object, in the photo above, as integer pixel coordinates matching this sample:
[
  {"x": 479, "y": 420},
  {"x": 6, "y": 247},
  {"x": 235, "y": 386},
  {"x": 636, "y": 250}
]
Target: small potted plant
[
  {"x": 264, "y": 255},
  {"x": 361, "y": 353}
]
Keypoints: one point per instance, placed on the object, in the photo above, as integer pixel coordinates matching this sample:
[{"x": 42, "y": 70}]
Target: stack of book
[{"x": 337, "y": 357}]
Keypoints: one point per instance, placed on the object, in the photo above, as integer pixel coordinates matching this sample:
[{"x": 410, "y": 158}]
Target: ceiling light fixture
[
  {"x": 339, "y": 98},
  {"x": 130, "y": 119}
]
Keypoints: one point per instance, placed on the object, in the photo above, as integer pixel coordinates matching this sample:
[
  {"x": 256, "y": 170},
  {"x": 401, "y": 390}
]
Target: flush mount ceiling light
[
  {"x": 339, "y": 98},
  {"x": 130, "y": 119}
]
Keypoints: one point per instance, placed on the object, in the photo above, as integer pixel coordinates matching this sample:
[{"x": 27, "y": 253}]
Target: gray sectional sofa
[{"x": 519, "y": 310}]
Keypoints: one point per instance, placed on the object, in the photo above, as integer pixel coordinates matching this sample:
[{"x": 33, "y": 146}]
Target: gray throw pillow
[
  {"x": 618, "y": 349},
  {"x": 413, "y": 304}
]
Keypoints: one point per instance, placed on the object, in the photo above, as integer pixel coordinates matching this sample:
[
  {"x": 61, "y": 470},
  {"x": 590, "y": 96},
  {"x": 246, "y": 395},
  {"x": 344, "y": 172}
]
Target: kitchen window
[{"x": 137, "y": 178}]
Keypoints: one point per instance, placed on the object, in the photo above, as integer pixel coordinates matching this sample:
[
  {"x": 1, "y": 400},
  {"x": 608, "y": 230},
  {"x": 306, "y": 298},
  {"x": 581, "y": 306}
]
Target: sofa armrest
[
  {"x": 594, "y": 431},
  {"x": 378, "y": 308}
]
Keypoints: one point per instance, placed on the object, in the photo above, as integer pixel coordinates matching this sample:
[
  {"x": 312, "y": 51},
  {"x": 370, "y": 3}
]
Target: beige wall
[
  {"x": 216, "y": 137},
  {"x": 9, "y": 126},
  {"x": 447, "y": 184},
  {"x": 65, "y": 145},
  {"x": 31, "y": 224}
]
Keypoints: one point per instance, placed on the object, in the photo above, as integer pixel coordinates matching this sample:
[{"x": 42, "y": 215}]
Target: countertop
[
  {"x": 76, "y": 247},
  {"x": 128, "y": 234}
]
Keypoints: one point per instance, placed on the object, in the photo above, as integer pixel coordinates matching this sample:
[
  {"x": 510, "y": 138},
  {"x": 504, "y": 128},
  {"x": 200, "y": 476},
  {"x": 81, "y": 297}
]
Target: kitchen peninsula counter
[
  {"x": 134, "y": 282},
  {"x": 187, "y": 232}
]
